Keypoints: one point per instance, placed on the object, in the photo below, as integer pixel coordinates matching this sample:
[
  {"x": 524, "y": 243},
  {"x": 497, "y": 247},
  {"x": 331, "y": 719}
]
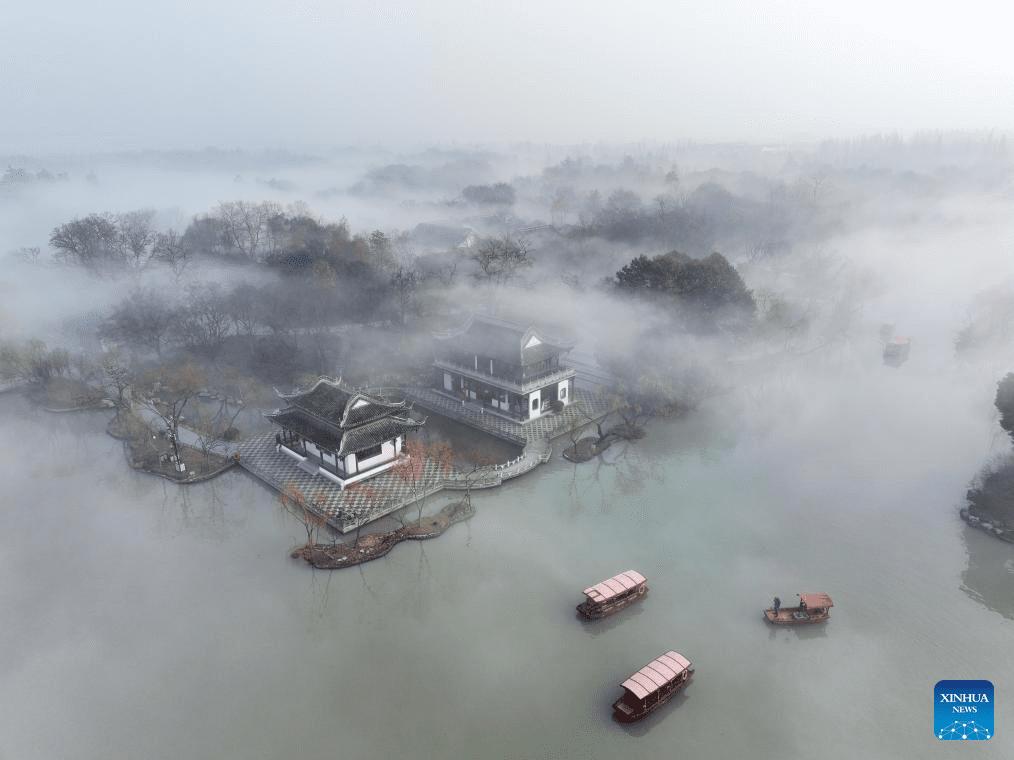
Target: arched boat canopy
[
  {"x": 656, "y": 674},
  {"x": 815, "y": 601},
  {"x": 603, "y": 592}
]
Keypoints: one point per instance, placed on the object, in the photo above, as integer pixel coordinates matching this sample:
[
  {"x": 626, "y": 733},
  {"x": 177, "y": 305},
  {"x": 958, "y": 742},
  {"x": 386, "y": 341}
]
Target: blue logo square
[{"x": 963, "y": 710}]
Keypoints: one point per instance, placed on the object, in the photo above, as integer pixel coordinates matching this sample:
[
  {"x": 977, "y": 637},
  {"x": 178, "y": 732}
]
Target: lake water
[{"x": 145, "y": 620}]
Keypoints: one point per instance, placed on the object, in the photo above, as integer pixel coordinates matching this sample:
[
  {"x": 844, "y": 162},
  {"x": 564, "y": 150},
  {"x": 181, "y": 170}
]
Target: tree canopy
[
  {"x": 499, "y": 194},
  {"x": 1005, "y": 403},
  {"x": 708, "y": 293}
]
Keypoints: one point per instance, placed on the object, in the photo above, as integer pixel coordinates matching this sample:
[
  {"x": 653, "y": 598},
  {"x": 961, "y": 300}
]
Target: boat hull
[
  {"x": 795, "y": 616},
  {"x": 622, "y": 716},
  {"x": 598, "y": 611}
]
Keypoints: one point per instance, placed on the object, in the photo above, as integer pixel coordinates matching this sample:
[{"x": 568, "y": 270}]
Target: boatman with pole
[{"x": 778, "y": 604}]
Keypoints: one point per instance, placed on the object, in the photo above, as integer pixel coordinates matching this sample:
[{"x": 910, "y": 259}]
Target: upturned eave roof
[{"x": 504, "y": 341}]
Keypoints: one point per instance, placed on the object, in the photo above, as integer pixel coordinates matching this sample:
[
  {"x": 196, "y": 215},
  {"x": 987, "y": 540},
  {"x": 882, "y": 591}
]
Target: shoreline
[
  {"x": 173, "y": 476},
  {"x": 377, "y": 545},
  {"x": 990, "y": 525}
]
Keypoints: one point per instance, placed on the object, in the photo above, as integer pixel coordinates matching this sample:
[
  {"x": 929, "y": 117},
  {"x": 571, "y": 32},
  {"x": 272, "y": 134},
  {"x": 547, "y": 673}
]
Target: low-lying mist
[
  {"x": 836, "y": 243},
  {"x": 779, "y": 452}
]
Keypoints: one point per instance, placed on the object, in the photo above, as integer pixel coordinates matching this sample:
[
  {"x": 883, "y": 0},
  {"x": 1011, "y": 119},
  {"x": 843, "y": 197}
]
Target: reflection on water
[
  {"x": 470, "y": 446},
  {"x": 989, "y": 577},
  {"x": 798, "y": 632},
  {"x": 669, "y": 711}
]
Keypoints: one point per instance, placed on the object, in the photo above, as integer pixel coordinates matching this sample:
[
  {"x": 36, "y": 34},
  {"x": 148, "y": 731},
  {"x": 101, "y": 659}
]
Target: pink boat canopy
[
  {"x": 603, "y": 592},
  {"x": 815, "y": 601},
  {"x": 656, "y": 674}
]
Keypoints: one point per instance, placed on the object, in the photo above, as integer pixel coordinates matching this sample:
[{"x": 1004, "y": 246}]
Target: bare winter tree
[
  {"x": 363, "y": 503},
  {"x": 243, "y": 306},
  {"x": 405, "y": 281},
  {"x": 209, "y": 436},
  {"x": 424, "y": 468},
  {"x": 206, "y": 321},
  {"x": 479, "y": 464},
  {"x": 168, "y": 389},
  {"x": 174, "y": 250},
  {"x": 91, "y": 242},
  {"x": 136, "y": 238},
  {"x": 29, "y": 255},
  {"x": 142, "y": 319},
  {"x": 117, "y": 372},
  {"x": 246, "y": 224},
  {"x": 42, "y": 363},
  {"x": 208, "y": 235},
  {"x": 294, "y": 501},
  {"x": 500, "y": 259}
]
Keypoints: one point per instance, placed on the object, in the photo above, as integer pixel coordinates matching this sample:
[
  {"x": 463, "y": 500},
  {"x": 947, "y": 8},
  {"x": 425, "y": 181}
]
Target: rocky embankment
[
  {"x": 991, "y": 504},
  {"x": 992, "y": 525}
]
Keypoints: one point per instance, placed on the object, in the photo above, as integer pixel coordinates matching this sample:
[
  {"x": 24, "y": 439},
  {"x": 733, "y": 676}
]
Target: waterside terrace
[{"x": 345, "y": 510}]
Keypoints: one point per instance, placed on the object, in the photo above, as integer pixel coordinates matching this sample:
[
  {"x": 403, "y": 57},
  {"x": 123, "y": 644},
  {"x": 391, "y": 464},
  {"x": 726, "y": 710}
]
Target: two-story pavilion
[
  {"x": 342, "y": 434},
  {"x": 512, "y": 369}
]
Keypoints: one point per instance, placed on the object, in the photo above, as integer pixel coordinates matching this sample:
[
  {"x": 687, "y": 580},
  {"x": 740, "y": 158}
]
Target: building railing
[{"x": 529, "y": 384}]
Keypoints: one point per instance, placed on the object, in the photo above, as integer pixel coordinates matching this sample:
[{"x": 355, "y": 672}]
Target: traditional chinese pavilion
[
  {"x": 343, "y": 434},
  {"x": 511, "y": 369}
]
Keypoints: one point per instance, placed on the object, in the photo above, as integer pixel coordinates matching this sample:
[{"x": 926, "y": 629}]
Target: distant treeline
[{"x": 235, "y": 231}]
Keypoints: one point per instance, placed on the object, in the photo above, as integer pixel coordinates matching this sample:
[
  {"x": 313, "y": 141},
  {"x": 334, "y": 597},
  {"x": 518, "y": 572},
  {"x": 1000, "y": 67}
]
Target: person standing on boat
[{"x": 778, "y": 604}]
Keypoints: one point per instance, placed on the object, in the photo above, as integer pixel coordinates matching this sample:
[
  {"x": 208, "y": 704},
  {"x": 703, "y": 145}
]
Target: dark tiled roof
[
  {"x": 344, "y": 441},
  {"x": 343, "y": 421},
  {"x": 362, "y": 409},
  {"x": 296, "y": 421},
  {"x": 504, "y": 341},
  {"x": 342, "y": 407},
  {"x": 324, "y": 400},
  {"x": 375, "y": 432}
]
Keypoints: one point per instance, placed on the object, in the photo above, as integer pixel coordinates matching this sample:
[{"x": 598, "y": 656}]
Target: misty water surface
[{"x": 145, "y": 620}]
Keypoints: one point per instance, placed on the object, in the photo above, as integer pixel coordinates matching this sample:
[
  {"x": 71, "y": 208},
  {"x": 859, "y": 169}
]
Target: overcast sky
[{"x": 111, "y": 74}]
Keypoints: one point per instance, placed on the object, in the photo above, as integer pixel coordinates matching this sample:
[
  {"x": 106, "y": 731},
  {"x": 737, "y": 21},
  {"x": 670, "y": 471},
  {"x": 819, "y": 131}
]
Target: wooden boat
[
  {"x": 896, "y": 351},
  {"x": 652, "y": 686},
  {"x": 612, "y": 595},
  {"x": 813, "y": 608}
]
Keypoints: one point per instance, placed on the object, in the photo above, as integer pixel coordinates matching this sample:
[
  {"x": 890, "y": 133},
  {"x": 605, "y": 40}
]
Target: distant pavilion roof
[
  {"x": 656, "y": 674},
  {"x": 606, "y": 590},
  {"x": 504, "y": 341}
]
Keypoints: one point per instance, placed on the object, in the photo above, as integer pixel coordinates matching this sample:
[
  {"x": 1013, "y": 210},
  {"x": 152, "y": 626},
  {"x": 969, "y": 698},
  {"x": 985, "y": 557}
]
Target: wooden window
[{"x": 373, "y": 451}]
